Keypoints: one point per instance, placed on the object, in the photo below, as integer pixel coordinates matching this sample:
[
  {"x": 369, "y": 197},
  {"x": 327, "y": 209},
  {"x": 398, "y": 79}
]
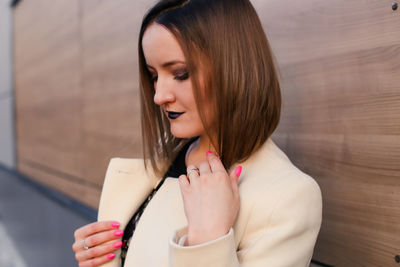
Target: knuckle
[
  {"x": 91, "y": 253},
  {"x": 205, "y": 179},
  {"x": 110, "y": 236},
  {"x": 92, "y": 241},
  {"x": 95, "y": 227},
  {"x": 76, "y": 234},
  {"x": 98, "y": 251},
  {"x": 214, "y": 159},
  {"x": 203, "y": 164},
  {"x": 99, "y": 261},
  {"x": 92, "y": 228}
]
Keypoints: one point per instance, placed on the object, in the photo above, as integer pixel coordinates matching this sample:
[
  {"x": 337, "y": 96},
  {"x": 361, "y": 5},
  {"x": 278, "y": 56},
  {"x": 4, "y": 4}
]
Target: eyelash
[{"x": 182, "y": 77}]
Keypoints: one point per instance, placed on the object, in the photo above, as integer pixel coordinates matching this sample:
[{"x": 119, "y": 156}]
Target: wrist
[{"x": 199, "y": 237}]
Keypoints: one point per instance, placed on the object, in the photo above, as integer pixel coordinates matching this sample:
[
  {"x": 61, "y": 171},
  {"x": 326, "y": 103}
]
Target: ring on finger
[
  {"x": 84, "y": 244},
  {"x": 193, "y": 170}
]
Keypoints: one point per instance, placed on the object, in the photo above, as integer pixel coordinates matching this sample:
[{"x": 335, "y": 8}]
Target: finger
[
  {"x": 204, "y": 168},
  {"x": 215, "y": 162},
  {"x": 184, "y": 185},
  {"x": 97, "y": 251},
  {"x": 192, "y": 175},
  {"x": 97, "y": 239},
  {"x": 234, "y": 175},
  {"x": 238, "y": 171},
  {"x": 97, "y": 261},
  {"x": 183, "y": 181},
  {"x": 95, "y": 227}
]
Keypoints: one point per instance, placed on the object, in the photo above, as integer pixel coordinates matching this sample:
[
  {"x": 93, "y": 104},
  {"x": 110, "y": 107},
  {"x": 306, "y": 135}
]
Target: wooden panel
[
  {"x": 48, "y": 93},
  {"x": 74, "y": 187},
  {"x": 76, "y": 89},
  {"x": 47, "y": 83},
  {"x": 77, "y": 106},
  {"x": 110, "y": 114},
  {"x": 340, "y": 70}
]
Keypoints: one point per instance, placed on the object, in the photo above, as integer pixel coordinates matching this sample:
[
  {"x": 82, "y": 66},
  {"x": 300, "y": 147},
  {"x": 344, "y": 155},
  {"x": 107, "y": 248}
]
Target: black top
[{"x": 177, "y": 168}]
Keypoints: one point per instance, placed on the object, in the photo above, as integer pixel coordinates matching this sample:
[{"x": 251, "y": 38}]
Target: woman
[{"x": 210, "y": 102}]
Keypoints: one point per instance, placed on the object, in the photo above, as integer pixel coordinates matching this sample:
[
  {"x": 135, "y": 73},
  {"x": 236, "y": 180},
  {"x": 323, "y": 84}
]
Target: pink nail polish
[
  {"x": 208, "y": 153},
  {"x": 118, "y": 244},
  {"x": 111, "y": 256},
  {"x": 238, "y": 170},
  {"x": 119, "y": 233},
  {"x": 115, "y": 224}
]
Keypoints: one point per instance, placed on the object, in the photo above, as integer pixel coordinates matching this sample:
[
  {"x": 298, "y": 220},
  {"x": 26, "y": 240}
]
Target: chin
[{"x": 185, "y": 132}]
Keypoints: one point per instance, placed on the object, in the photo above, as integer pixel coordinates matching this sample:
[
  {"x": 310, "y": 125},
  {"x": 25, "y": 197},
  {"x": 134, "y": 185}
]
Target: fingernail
[
  {"x": 119, "y": 233},
  {"x": 238, "y": 170},
  {"x": 118, "y": 244},
  {"x": 208, "y": 153},
  {"x": 115, "y": 224},
  {"x": 111, "y": 256}
]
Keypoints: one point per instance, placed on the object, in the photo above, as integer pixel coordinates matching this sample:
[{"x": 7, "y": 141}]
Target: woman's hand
[
  {"x": 96, "y": 237},
  {"x": 211, "y": 200}
]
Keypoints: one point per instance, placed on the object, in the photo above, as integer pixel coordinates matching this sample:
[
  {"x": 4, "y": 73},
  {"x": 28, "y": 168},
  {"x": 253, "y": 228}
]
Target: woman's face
[{"x": 172, "y": 83}]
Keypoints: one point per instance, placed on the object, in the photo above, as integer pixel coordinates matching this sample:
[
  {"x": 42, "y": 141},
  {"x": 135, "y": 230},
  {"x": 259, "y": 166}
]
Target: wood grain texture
[
  {"x": 76, "y": 90},
  {"x": 111, "y": 108},
  {"x": 47, "y": 83},
  {"x": 77, "y": 106},
  {"x": 74, "y": 187},
  {"x": 340, "y": 71}
]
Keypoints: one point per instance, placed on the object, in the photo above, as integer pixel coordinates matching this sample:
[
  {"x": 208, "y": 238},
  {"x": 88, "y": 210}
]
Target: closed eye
[
  {"x": 182, "y": 77},
  {"x": 181, "y": 74}
]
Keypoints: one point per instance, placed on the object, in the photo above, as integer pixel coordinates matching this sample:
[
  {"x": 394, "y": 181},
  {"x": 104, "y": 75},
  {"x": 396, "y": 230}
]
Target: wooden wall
[
  {"x": 76, "y": 90},
  {"x": 340, "y": 67},
  {"x": 77, "y": 106}
]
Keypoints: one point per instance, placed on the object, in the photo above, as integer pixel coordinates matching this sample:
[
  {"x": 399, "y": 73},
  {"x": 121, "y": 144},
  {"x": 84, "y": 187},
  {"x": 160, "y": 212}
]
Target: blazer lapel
[{"x": 126, "y": 186}]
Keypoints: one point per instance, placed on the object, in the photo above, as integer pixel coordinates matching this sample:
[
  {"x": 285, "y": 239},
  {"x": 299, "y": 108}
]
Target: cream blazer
[{"x": 277, "y": 224}]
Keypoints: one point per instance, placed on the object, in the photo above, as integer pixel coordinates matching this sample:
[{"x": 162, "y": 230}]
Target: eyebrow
[{"x": 168, "y": 64}]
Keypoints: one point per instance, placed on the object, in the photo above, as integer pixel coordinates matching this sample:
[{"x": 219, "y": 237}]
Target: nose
[{"x": 163, "y": 92}]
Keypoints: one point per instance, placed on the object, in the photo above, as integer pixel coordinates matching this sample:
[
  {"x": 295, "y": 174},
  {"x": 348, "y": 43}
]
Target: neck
[
  {"x": 205, "y": 144},
  {"x": 197, "y": 152}
]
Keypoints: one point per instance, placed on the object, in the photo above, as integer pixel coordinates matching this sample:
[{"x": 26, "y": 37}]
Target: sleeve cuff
[
  {"x": 218, "y": 252},
  {"x": 182, "y": 240}
]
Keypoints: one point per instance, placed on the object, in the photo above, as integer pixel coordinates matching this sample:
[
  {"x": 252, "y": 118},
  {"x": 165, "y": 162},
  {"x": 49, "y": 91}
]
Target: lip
[{"x": 174, "y": 115}]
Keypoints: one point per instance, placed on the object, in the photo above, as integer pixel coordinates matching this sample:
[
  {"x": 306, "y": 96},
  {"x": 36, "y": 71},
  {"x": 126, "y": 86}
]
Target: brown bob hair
[{"x": 225, "y": 42}]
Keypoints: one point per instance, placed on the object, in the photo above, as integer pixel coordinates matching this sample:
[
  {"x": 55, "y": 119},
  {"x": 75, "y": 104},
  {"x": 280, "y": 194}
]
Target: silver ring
[
  {"x": 84, "y": 244},
  {"x": 193, "y": 170}
]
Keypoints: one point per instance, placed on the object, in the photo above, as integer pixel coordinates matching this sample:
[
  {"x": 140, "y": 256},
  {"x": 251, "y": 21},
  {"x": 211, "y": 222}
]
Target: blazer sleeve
[{"x": 282, "y": 237}]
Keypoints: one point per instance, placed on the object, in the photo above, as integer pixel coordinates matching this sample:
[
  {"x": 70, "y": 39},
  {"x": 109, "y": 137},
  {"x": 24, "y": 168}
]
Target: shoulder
[
  {"x": 281, "y": 209},
  {"x": 125, "y": 164},
  {"x": 274, "y": 186},
  {"x": 270, "y": 167}
]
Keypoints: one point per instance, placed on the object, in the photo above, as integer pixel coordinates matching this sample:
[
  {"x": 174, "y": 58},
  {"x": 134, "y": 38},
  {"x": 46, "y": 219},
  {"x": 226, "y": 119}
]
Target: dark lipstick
[{"x": 174, "y": 115}]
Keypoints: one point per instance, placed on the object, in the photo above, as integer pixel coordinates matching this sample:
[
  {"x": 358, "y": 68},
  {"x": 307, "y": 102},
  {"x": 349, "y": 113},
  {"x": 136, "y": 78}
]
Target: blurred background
[{"x": 69, "y": 102}]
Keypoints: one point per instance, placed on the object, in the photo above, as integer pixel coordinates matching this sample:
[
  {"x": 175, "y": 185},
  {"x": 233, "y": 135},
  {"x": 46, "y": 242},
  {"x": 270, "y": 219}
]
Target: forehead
[{"x": 160, "y": 46}]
